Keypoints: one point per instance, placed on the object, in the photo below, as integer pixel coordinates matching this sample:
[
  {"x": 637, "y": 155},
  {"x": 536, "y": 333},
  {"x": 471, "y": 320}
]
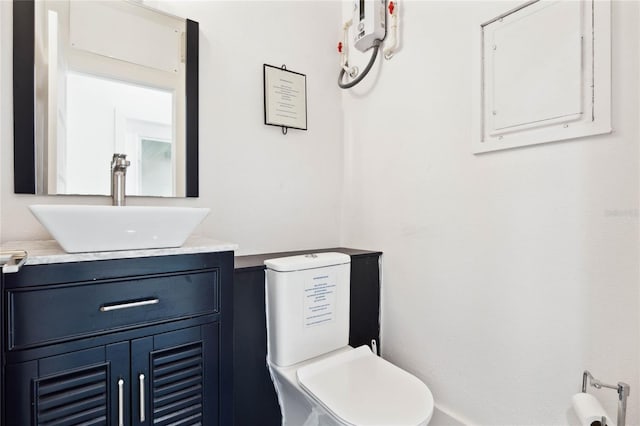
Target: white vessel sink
[{"x": 80, "y": 229}]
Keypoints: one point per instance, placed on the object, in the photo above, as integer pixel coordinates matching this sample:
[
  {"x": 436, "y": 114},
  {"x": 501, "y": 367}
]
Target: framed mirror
[{"x": 91, "y": 79}]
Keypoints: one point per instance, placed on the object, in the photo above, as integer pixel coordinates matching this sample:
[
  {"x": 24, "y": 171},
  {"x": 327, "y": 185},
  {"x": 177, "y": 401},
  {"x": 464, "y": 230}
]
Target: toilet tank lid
[{"x": 307, "y": 261}]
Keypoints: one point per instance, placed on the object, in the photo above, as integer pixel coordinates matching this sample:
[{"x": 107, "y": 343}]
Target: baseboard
[{"x": 443, "y": 416}]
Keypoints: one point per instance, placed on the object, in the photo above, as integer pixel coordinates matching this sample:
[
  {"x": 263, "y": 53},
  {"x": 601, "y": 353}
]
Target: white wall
[
  {"x": 505, "y": 274},
  {"x": 267, "y": 192}
]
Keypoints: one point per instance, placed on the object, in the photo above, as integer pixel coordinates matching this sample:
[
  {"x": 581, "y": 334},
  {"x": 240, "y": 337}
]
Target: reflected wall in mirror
[{"x": 96, "y": 78}]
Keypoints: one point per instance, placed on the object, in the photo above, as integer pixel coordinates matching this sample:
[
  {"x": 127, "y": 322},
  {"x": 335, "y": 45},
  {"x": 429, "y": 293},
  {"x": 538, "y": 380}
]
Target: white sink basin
[{"x": 80, "y": 229}]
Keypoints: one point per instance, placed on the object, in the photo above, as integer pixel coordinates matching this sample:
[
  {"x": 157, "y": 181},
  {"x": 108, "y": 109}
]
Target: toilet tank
[{"x": 307, "y": 300}]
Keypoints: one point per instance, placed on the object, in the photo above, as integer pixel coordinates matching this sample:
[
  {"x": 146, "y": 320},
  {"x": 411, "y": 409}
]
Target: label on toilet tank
[{"x": 319, "y": 300}]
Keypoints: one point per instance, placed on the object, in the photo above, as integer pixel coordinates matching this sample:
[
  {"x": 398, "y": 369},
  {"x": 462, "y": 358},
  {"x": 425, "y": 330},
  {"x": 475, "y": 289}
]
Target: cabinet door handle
[
  {"x": 120, "y": 402},
  {"x": 141, "y": 378},
  {"x": 107, "y": 308}
]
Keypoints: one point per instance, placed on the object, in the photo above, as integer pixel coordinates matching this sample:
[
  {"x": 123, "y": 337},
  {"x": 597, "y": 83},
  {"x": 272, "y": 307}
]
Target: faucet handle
[{"x": 120, "y": 160}]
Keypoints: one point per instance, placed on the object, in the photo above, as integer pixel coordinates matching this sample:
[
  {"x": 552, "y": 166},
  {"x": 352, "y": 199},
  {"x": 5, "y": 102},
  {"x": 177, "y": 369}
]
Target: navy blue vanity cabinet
[
  {"x": 129, "y": 341},
  {"x": 252, "y": 383}
]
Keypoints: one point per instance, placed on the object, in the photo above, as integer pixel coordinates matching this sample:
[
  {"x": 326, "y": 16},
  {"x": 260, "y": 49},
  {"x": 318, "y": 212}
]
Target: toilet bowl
[{"x": 321, "y": 380}]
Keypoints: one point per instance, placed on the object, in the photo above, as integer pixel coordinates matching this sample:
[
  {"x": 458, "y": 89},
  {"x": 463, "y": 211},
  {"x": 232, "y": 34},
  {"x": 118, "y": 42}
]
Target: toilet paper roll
[{"x": 589, "y": 410}]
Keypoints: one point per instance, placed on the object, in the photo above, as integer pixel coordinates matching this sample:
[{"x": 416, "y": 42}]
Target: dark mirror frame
[{"x": 24, "y": 149}]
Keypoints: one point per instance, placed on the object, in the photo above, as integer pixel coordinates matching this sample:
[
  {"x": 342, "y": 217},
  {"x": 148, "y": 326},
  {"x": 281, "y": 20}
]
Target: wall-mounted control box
[{"x": 370, "y": 23}]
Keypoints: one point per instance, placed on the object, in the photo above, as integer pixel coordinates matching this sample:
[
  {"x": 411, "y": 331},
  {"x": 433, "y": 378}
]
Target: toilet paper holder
[{"x": 623, "y": 393}]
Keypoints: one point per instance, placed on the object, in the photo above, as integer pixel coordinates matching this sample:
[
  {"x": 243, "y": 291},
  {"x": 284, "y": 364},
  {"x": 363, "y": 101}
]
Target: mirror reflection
[{"x": 109, "y": 78}]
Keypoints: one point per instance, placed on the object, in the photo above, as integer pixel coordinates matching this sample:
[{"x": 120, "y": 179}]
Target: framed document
[{"x": 285, "y": 98}]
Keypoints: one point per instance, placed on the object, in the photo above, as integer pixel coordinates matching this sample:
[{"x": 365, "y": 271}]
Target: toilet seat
[{"x": 360, "y": 388}]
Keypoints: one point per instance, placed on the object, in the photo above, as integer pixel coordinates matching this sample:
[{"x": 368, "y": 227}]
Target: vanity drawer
[{"x": 56, "y": 313}]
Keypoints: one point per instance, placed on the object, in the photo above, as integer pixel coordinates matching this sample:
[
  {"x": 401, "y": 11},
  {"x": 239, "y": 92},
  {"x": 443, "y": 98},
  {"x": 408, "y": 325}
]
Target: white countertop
[{"x": 49, "y": 251}]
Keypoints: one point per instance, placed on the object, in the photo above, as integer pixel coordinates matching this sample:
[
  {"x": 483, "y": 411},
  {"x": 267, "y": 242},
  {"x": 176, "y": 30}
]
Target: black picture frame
[{"x": 284, "y": 126}]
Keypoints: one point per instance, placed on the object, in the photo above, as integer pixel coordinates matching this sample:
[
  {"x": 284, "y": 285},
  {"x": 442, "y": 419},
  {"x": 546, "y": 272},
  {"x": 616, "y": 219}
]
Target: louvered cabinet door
[
  {"x": 73, "y": 397},
  {"x": 176, "y": 377},
  {"x": 77, "y": 388}
]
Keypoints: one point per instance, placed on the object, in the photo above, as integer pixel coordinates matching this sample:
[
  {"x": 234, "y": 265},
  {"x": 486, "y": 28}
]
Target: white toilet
[{"x": 319, "y": 378}]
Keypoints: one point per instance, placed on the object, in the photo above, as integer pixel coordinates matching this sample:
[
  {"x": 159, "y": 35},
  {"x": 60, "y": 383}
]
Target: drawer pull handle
[
  {"x": 141, "y": 378},
  {"x": 120, "y": 402},
  {"x": 107, "y": 308}
]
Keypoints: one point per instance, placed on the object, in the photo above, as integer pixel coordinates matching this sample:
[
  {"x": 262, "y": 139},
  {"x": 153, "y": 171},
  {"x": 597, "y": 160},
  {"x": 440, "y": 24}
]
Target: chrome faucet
[{"x": 119, "y": 164}]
